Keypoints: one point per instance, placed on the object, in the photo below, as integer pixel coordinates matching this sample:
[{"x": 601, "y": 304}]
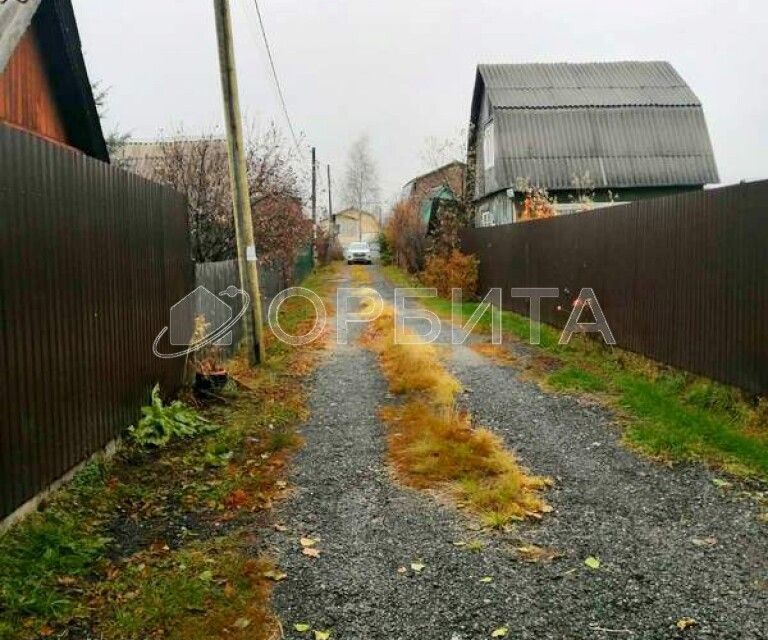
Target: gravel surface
[{"x": 670, "y": 542}]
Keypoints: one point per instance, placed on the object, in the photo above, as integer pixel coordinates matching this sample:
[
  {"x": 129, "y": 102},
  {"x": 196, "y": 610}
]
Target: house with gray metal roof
[{"x": 618, "y": 130}]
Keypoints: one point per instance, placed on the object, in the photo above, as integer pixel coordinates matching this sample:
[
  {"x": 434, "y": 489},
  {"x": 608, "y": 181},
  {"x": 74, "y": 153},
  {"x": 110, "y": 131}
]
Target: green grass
[
  {"x": 669, "y": 413},
  {"x": 58, "y": 565}
]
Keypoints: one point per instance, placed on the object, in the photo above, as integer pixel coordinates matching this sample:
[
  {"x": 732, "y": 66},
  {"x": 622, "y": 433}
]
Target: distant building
[
  {"x": 432, "y": 191},
  {"x": 144, "y": 158},
  {"x": 452, "y": 175},
  {"x": 629, "y": 128},
  {"x": 355, "y": 225},
  {"x": 44, "y": 86}
]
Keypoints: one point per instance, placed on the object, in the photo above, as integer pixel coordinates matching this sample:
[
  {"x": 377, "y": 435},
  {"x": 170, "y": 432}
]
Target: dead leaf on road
[
  {"x": 592, "y": 562},
  {"x": 312, "y": 553},
  {"x": 308, "y": 542},
  {"x": 685, "y": 623},
  {"x": 276, "y": 576},
  {"x": 322, "y": 635},
  {"x": 710, "y": 541},
  {"x": 301, "y": 627},
  {"x": 501, "y": 632},
  {"x": 417, "y": 567}
]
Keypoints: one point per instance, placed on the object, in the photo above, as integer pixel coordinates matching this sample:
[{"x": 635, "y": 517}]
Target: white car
[{"x": 358, "y": 253}]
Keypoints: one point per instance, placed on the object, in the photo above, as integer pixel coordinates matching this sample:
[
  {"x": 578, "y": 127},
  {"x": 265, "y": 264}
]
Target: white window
[
  {"x": 486, "y": 219},
  {"x": 489, "y": 146}
]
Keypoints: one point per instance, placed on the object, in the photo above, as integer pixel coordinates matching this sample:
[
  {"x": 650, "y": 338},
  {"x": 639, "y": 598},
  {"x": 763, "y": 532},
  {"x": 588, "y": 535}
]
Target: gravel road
[{"x": 671, "y": 543}]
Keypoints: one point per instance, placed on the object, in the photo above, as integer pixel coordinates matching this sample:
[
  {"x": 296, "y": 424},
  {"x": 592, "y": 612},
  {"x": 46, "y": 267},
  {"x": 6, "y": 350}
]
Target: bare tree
[
  {"x": 198, "y": 168},
  {"x": 440, "y": 154},
  {"x": 115, "y": 139},
  {"x": 361, "y": 179}
]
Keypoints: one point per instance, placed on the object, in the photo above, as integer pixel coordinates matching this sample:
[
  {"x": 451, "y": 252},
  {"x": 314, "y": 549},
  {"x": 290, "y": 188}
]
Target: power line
[{"x": 280, "y": 94}]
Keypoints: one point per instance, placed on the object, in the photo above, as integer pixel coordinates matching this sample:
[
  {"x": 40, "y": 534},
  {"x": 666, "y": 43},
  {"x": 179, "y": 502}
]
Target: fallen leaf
[
  {"x": 242, "y": 623},
  {"x": 308, "y": 542},
  {"x": 685, "y": 623},
  {"x": 417, "y": 567},
  {"x": 501, "y": 632},
  {"x": 322, "y": 635},
  {"x": 275, "y": 576},
  {"x": 236, "y": 499},
  {"x": 402, "y": 570},
  {"x": 534, "y": 553},
  {"x": 592, "y": 562},
  {"x": 720, "y": 483},
  {"x": 486, "y": 579},
  {"x": 206, "y": 576},
  {"x": 301, "y": 627},
  {"x": 66, "y": 581},
  {"x": 312, "y": 553},
  {"x": 46, "y": 631},
  {"x": 281, "y": 528},
  {"x": 282, "y": 484},
  {"x": 710, "y": 541}
]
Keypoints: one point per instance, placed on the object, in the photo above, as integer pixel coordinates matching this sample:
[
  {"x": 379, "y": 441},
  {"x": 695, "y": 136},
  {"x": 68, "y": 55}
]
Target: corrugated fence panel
[
  {"x": 681, "y": 279},
  {"x": 91, "y": 260}
]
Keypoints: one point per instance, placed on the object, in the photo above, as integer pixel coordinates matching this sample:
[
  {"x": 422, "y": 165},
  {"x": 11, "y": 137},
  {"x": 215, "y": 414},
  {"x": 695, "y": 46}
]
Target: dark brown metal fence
[
  {"x": 682, "y": 279},
  {"x": 91, "y": 260}
]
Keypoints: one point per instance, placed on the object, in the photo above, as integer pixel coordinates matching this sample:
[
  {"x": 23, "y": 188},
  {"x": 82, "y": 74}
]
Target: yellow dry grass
[
  {"x": 360, "y": 274},
  {"x": 434, "y": 446},
  {"x": 498, "y": 353}
]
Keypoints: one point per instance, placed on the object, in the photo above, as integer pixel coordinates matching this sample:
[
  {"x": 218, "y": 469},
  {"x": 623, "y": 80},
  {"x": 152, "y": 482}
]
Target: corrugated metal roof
[
  {"x": 15, "y": 18},
  {"x": 590, "y": 84},
  {"x": 627, "y": 124}
]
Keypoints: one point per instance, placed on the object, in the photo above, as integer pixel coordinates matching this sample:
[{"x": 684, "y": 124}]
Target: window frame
[{"x": 489, "y": 145}]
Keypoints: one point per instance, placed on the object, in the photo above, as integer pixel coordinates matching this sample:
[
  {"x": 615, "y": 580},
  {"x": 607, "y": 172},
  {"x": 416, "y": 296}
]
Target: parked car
[{"x": 358, "y": 253}]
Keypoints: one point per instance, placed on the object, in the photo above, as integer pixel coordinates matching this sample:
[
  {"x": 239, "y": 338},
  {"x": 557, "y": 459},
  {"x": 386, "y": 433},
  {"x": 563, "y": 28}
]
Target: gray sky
[{"x": 403, "y": 70}]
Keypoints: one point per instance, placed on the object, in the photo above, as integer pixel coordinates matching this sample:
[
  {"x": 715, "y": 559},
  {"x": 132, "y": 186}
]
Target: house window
[
  {"x": 486, "y": 219},
  {"x": 489, "y": 146}
]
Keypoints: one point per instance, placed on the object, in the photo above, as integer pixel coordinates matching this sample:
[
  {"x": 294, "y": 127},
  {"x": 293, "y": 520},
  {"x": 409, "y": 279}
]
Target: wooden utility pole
[
  {"x": 238, "y": 172},
  {"x": 331, "y": 217},
  {"x": 314, "y": 203}
]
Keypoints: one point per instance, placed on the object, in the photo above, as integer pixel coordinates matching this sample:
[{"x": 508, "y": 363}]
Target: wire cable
[{"x": 276, "y": 78}]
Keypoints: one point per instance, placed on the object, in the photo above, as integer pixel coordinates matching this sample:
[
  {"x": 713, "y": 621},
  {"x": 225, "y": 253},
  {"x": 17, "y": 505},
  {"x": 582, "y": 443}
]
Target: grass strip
[
  {"x": 668, "y": 413},
  {"x": 434, "y": 446},
  {"x": 159, "y": 543}
]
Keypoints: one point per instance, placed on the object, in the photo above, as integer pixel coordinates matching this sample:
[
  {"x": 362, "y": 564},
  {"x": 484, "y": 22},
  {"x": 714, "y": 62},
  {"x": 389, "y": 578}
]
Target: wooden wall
[{"x": 26, "y": 94}]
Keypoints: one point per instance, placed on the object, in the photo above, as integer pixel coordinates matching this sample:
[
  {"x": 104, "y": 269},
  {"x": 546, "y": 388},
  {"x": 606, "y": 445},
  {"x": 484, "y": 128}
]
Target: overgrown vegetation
[
  {"x": 451, "y": 270},
  {"x": 432, "y": 445},
  {"x": 668, "y": 413},
  {"x": 162, "y": 423},
  {"x": 158, "y": 542}
]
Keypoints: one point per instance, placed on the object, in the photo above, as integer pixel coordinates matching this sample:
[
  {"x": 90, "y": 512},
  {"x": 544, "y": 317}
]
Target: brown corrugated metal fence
[
  {"x": 682, "y": 279},
  {"x": 91, "y": 260}
]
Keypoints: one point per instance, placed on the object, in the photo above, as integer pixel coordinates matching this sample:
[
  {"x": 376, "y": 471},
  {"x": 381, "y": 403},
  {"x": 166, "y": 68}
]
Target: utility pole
[
  {"x": 331, "y": 217},
  {"x": 238, "y": 172},
  {"x": 314, "y": 202}
]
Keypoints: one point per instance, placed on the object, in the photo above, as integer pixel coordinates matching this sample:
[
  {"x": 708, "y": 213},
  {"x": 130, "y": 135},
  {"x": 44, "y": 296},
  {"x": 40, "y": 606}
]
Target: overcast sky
[{"x": 403, "y": 70}]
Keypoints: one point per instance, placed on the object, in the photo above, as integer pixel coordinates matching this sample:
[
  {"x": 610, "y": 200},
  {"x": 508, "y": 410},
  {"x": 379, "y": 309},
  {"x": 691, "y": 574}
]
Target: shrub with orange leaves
[
  {"x": 537, "y": 203},
  {"x": 406, "y": 236},
  {"x": 454, "y": 270}
]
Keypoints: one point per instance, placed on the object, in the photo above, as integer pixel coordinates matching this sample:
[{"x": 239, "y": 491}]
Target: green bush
[{"x": 162, "y": 423}]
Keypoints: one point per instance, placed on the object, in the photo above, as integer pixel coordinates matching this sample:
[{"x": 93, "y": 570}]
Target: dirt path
[{"x": 672, "y": 544}]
